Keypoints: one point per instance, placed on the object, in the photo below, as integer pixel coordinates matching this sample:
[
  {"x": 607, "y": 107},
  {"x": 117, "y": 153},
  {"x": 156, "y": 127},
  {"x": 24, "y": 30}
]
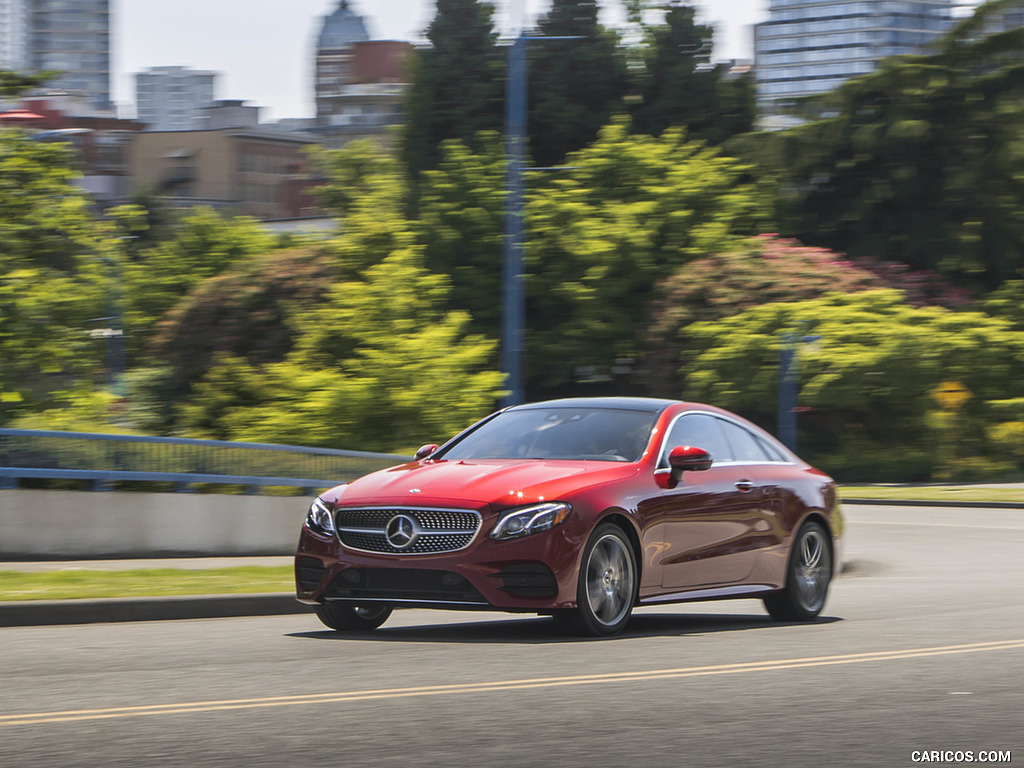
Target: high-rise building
[
  {"x": 73, "y": 37},
  {"x": 360, "y": 83},
  {"x": 173, "y": 98},
  {"x": 14, "y": 35},
  {"x": 341, "y": 29},
  {"x": 812, "y": 46}
]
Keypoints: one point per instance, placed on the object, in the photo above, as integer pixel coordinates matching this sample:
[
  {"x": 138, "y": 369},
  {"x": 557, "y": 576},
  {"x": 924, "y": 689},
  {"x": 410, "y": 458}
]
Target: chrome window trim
[
  {"x": 402, "y": 509},
  {"x": 785, "y": 452}
]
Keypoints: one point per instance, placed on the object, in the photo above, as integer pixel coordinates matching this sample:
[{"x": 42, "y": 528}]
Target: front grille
[
  {"x": 436, "y": 530},
  {"x": 410, "y": 585}
]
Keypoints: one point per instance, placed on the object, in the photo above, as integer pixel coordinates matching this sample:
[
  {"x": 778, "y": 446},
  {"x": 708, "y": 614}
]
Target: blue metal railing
[{"x": 107, "y": 459}]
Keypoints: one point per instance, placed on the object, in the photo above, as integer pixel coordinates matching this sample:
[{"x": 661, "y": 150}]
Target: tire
[
  {"x": 607, "y": 587},
  {"x": 808, "y": 576},
  {"x": 352, "y": 618}
]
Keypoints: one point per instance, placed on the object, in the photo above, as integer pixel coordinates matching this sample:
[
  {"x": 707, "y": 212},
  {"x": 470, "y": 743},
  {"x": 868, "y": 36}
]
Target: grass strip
[
  {"x": 71, "y": 584},
  {"x": 933, "y": 493}
]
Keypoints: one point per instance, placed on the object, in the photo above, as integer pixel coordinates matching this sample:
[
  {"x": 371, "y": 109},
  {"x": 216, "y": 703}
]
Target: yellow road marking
[{"x": 501, "y": 685}]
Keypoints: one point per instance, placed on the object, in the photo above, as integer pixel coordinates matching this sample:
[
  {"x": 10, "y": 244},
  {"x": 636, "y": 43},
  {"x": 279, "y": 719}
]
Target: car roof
[{"x": 646, "y": 404}]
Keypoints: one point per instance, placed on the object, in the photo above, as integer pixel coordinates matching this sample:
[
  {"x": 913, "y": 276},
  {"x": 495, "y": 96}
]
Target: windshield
[{"x": 592, "y": 434}]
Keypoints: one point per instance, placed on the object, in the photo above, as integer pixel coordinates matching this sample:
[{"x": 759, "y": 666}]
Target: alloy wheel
[
  {"x": 813, "y": 569},
  {"x": 610, "y": 580}
]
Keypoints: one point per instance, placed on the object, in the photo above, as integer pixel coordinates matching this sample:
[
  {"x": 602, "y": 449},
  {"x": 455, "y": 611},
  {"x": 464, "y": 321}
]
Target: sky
[{"x": 265, "y": 47}]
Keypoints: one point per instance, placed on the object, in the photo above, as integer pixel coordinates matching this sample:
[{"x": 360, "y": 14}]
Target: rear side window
[
  {"x": 700, "y": 431},
  {"x": 745, "y": 447},
  {"x": 774, "y": 454}
]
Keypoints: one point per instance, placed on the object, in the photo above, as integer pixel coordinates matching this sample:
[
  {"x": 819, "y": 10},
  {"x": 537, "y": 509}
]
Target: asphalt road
[{"x": 921, "y": 648}]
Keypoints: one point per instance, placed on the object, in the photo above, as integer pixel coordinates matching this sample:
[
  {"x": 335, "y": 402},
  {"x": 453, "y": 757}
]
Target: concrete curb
[
  {"x": 957, "y": 504},
  {"x": 42, "y": 612}
]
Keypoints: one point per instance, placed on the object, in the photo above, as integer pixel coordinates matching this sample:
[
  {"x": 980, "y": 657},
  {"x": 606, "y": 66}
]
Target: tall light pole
[
  {"x": 514, "y": 310},
  {"x": 113, "y": 333},
  {"x": 513, "y": 314},
  {"x": 787, "y": 403}
]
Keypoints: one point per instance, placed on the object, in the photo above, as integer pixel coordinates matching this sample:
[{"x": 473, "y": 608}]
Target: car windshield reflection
[{"x": 577, "y": 434}]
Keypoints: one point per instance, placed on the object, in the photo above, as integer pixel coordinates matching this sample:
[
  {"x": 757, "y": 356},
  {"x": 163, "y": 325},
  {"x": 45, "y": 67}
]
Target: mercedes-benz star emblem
[{"x": 402, "y": 531}]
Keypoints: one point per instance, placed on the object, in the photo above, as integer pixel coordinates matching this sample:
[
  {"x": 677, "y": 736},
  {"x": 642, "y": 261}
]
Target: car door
[{"x": 702, "y": 531}]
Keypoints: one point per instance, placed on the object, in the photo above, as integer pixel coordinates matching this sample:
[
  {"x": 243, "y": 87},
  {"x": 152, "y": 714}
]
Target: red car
[{"x": 580, "y": 509}]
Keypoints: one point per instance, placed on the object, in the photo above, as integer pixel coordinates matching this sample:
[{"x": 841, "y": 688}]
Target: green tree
[
  {"x": 45, "y": 344},
  {"x": 367, "y": 190},
  {"x": 674, "y": 82},
  {"x": 737, "y": 106},
  {"x": 920, "y": 162},
  {"x": 229, "y": 388},
  {"x": 51, "y": 282},
  {"x": 868, "y": 381},
  {"x": 762, "y": 270},
  {"x": 14, "y": 84},
  {"x": 600, "y": 238},
  {"x": 45, "y": 219},
  {"x": 244, "y": 312},
  {"x": 575, "y": 86},
  {"x": 1007, "y": 302},
  {"x": 204, "y": 244},
  {"x": 460, "y": 227},
  {"x": 678, "y": 83},
  {"x": 457, "y": 84},
  {"x": 381, "y": 365}
]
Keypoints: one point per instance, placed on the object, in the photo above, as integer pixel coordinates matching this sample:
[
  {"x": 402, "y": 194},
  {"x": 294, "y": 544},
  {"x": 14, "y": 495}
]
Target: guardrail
[{"x": 108, "y": 459}]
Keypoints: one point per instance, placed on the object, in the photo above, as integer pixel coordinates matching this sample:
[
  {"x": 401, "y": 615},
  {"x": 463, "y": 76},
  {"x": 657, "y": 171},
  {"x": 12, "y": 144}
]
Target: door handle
[{"x": 744, "y": 485}]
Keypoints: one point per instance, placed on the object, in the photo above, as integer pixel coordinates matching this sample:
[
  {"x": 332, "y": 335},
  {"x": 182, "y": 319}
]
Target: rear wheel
[
  {"x": 352, "y": 618},
  {"x": 807, "y": 578},
  {"x": 607, "y": 585}
]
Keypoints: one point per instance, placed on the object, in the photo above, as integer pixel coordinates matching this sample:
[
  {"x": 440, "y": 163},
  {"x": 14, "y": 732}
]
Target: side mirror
[
  {"x": 685, "y": 458},
  {"x": 426, "y": 450}
]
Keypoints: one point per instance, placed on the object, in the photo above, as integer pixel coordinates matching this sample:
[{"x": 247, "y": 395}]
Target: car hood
[{"x": 500, "y": 483}]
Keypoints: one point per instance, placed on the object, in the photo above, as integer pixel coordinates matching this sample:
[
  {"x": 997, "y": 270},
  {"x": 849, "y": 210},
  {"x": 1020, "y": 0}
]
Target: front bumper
[{"x": 534, "y": 574}]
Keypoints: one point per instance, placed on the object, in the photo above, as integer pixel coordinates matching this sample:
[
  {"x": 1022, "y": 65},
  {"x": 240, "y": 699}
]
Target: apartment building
[
  {"x": 173, "y": 98},
  {"x": 809, "y": 47}
]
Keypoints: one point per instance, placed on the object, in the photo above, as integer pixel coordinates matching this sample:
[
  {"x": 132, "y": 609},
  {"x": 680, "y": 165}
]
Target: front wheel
[
  {"x": 352, "y": 618},
  {"x": 607, "y": 585},
  {"x": 807, "y": 577}
]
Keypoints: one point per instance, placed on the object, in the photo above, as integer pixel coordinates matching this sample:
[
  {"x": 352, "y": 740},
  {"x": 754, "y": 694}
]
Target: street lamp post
[
  {"x": 513, "y": 316},
  {"x": 787, "y": 402},
  {"x": 113, "y": 333}
]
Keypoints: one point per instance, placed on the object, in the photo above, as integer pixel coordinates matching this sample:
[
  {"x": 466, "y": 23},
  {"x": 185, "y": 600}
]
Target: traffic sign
[{"x": 951, "y": 395}]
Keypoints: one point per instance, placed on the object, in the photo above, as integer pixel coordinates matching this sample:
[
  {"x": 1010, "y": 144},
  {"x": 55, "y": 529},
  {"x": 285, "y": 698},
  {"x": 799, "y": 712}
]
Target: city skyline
[{"x": 267, "y": 55}]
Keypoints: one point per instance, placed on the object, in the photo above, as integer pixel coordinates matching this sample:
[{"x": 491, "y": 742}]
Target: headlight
[
  {"x": 532, "y": 519},
  {"x": 319, "y": 517}
]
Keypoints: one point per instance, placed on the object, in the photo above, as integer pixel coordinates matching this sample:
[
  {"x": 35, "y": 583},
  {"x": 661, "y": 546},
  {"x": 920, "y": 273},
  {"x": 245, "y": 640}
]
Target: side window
[
  {"x": 745, "y": 447},
  {"x": 774, "y": 454},
  {"x": 700, "y": 431}
]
